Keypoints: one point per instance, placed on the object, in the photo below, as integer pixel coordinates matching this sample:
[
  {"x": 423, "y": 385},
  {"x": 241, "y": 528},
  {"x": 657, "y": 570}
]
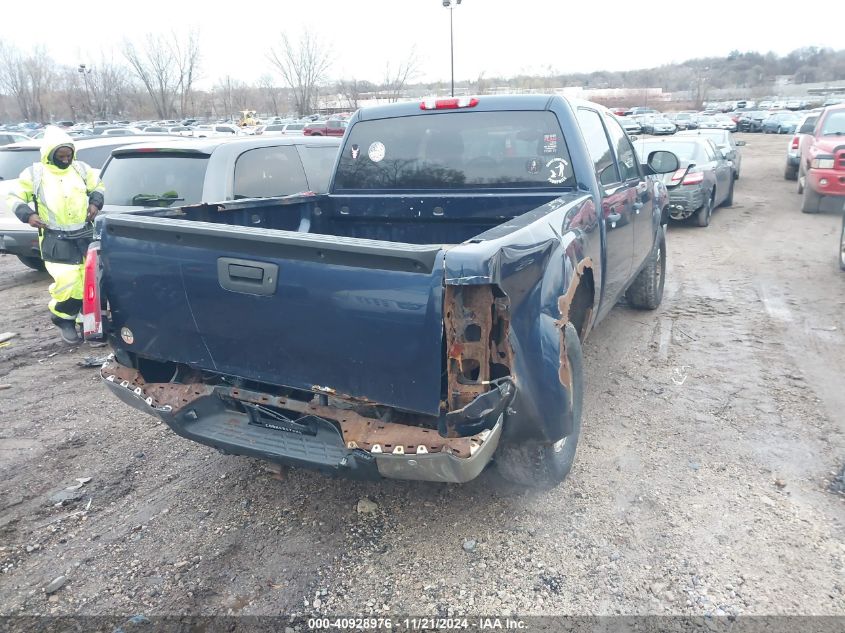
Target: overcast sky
[{"x": 494, "y": 37}]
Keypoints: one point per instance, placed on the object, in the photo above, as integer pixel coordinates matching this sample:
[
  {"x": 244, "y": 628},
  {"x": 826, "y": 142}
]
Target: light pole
[
  {"x": 448, "y": 4},
  {"x": 85, "y": 71}
]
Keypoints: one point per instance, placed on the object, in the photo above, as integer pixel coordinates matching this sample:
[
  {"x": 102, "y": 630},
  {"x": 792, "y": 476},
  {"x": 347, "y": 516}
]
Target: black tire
[
  {"x": 546, "y": 465},
  {"x": 811, "y": 201},
  {"x": 702, "y": 216},
  {"x": 842, "y": 245},
  {"x": 729, "y": 201},
  {"x": 790, "y": 173},
  {"x": 36, "y": 263},
  {"x": 800, "y": 185},
  {"x": 646, "y": 292}
]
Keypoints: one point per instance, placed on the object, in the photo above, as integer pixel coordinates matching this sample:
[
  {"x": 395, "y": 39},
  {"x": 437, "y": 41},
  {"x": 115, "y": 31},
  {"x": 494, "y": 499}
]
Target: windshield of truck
[
  {"x": 456, "y": 150},
  {"x": 834, "y": 124},
  {"x": 155, "y": 179},
  {"x": 13, "y": 162}
]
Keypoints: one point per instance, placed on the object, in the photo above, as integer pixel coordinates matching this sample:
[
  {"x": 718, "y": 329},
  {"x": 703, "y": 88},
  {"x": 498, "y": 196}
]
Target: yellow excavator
[{"x": 248, "y": 118}]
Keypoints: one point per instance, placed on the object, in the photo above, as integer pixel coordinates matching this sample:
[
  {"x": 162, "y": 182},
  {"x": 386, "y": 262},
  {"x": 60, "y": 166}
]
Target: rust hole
[
  {"x": 470, "y": 369},
  {"x": 472, "y": 333}
]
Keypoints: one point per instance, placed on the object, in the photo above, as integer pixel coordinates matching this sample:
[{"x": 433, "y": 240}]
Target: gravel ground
[{"x": 705, "y": 481}]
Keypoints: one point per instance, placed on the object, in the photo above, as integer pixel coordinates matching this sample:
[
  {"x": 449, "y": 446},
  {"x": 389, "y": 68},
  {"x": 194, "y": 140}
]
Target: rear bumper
[
  {"x": 684, "y": 201},
  {"x": 235, "y": 421},
  {"x": 21, "y": 242}
]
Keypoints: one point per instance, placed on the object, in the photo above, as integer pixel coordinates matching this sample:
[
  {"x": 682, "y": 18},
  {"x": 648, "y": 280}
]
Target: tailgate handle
[{"x": 247, "y": 276}]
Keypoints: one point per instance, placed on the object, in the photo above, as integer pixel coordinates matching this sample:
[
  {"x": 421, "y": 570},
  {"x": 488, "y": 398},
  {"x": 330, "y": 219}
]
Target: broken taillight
[
  {"x": 92, "y": 317},
  {"x": 693, "y": 178}
]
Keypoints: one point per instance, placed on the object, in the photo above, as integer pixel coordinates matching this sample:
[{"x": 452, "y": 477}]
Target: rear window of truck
[
  {"x": 456, "y": 150},
  {"x": 155, "y": 179}
]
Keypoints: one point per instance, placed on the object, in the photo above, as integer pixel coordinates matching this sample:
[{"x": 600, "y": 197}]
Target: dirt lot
[{"x": 704, "y": 482}]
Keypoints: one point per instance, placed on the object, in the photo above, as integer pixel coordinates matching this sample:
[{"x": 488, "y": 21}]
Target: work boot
[{"x": 68, "y": 330}]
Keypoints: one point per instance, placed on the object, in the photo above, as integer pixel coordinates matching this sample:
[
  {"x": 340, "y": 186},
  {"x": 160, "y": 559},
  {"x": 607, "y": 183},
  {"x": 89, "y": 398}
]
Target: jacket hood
[{"x": 53, "y": 138}]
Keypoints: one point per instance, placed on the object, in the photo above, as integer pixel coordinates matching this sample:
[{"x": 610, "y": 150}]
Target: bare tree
[
  {"x": 187, "y": 56},
  {"x": 270, "y": 93},
  {"x": 352, "y": 89},
  {"x": 234, "y": 95},
  {"x": 27, "y": 78},
  {"x": 13, "y": 77},
  {"x": 167, "y": 67},
  {"x": 303, "y": 66},
  {"x": 396, "y": 77}
]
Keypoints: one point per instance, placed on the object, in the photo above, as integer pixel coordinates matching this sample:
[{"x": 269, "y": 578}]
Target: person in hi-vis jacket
[{"x": 60, "y": 197}]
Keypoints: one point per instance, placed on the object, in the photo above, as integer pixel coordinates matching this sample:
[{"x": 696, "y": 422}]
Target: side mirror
[
  {"x": 725, "y": 152},
  {"x": 663, "y": 162},
  {"x": 740, "y": 143}
]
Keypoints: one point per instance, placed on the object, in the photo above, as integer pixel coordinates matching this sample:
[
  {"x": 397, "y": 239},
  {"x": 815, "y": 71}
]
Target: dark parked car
[
  {"x": 751, "y": 121},
  {"x": 781, "y": 123},
  {"x": 725, "y": 143},
  {"x": 683, "y": 120},
  {"x": 658, "y": 125},
  {"x": 703, "y": 182}
]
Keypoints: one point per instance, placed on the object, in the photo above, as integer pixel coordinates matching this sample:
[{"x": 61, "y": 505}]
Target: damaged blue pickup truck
[{"x": 420, "y": 321}]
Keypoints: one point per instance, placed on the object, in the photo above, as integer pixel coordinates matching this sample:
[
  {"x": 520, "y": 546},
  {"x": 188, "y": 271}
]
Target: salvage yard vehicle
[
  {"x": 725, "y": 143},
  {"x": 822, "y": 170},
  {"x": 421, "y": 320},
  {"x": 703, "y": 182}
]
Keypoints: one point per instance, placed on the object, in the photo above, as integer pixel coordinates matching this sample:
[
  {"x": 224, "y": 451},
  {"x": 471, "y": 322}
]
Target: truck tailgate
[{"x": 316, "y": 312}]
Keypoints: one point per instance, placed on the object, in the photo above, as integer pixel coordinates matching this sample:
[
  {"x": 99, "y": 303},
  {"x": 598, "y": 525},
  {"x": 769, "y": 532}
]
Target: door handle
[{"x": 247, "y": 276}]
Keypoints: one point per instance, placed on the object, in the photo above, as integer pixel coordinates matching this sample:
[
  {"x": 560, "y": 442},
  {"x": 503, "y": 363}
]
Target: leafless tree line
[{"x": 157, "y": 77}]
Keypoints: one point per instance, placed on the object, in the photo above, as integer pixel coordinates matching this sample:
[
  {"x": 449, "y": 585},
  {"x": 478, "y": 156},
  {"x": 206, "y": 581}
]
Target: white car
[{"x": 218, "y": 129}]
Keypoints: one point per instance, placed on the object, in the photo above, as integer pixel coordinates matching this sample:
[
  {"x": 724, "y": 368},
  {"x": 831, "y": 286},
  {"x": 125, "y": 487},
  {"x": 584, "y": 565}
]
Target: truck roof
[{"x": 486, "y": 103}]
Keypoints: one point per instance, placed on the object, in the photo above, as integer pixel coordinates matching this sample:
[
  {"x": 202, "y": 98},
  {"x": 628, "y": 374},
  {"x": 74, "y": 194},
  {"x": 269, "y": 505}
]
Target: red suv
[
  {"x": 332, "y": 127},
  {"x": 822, "y": 169}
]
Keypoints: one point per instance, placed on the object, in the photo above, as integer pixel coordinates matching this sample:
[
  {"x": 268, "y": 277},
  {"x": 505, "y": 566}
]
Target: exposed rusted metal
[
  {"x": 468, "y": 318},
  {"x": 174, "y": 395},
  {"x": 359, "y": 431},
  {"x": 564, "y": 303}
]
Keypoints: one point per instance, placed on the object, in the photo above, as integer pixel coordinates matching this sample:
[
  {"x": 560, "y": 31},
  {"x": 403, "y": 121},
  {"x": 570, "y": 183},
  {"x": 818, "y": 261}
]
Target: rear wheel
[
  {"x": 790, "y": 173},
  {"x": 646, "y": 292},
  {"x": 702, "y": 216},
  {"x": 36, "y": 263},
  {"x": 545, "y": 465},
  {"x": 811, "y": 201}
]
